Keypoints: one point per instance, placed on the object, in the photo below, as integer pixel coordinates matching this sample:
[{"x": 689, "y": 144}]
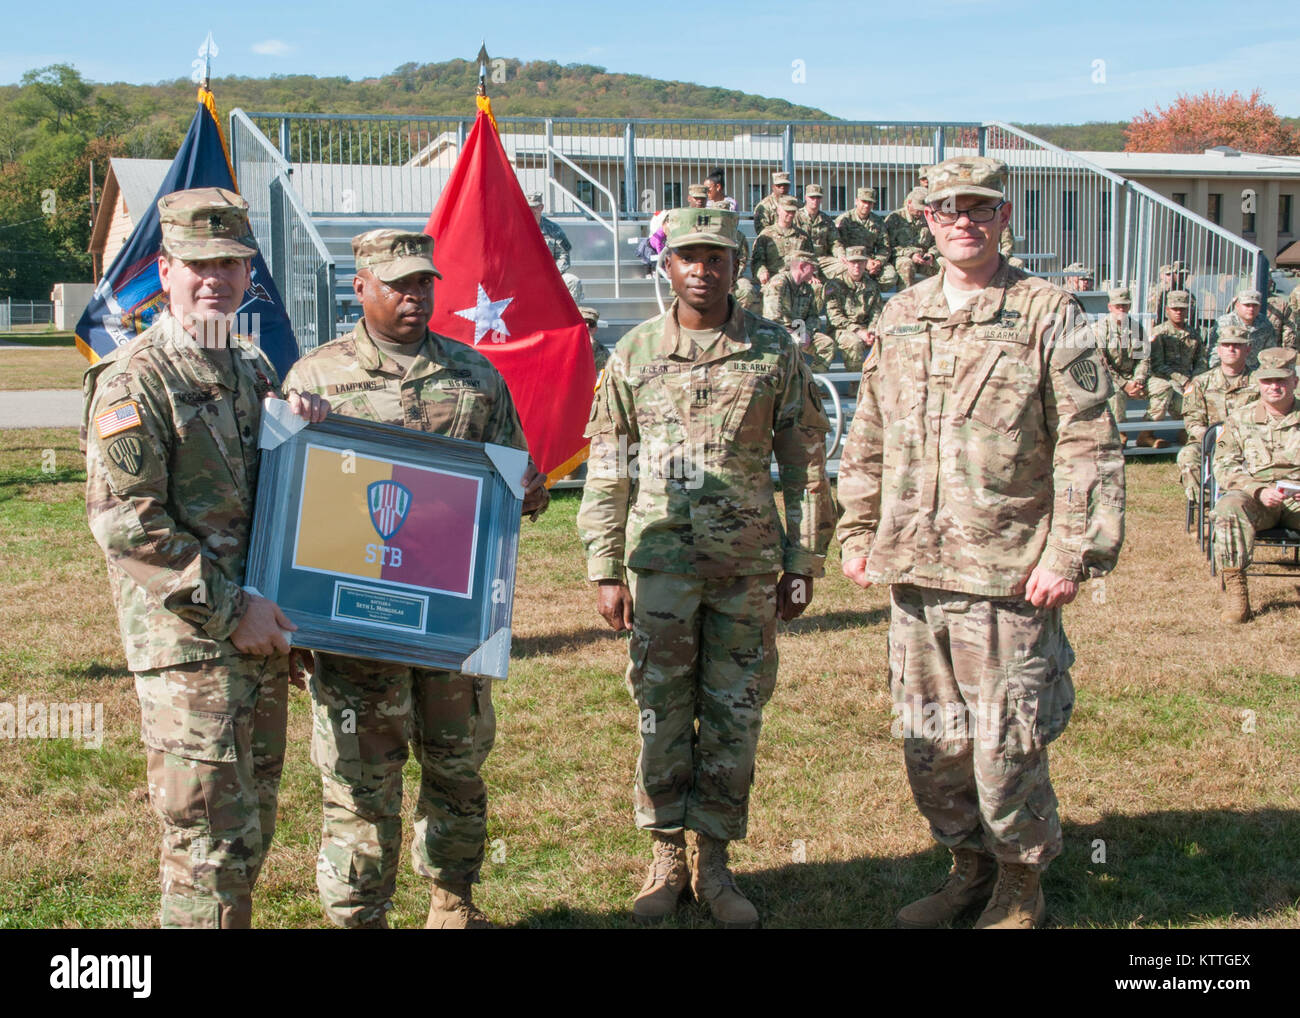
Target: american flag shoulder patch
[{"x": 118, "y": 418}]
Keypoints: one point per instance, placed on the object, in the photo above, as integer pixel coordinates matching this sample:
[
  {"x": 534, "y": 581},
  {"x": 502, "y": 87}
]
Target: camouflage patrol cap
[
  {"x": 698, "y": 191},
  {"x": 856, "y": 254},
  {"x": 867, "y": 194},
  {"x": 1276, "y": 362},
  {"x": 1077, "y": 269},
  {"x": 1234, "y": 335},
  {"x": 1248, "y": 297},
  {"x": 683, "y": 227},
  {"x": 814, "y": 191},
  {"x": 780, "y": 177},
  {"x": 589, "y": 315},
  {"x": 917, "y": 196},
  {"x": 392, "y": 254},
  {"x": 1119, "y": 295},
  {"x": 1178, "y": 299},
  {"x": 535, "y": 200},
  {"x": 1165, "y": 270},
  {"x": 1178, "y": 268},
  {"x": 205, "y": 222},
  {"x": 800, "y": 254},
  {"x": 978, "y": 176},
  {"x": 788, "y": 202}
]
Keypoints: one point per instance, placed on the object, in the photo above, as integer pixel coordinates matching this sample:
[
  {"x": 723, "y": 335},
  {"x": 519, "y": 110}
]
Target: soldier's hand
[
  {"x": 614, "y": 602},
  {"x": 1044, "y": 589},
  {"x": 763, "y": 276},
  {"x": 793, "y": 595},
  {"x": 309, "y": 406},
  {"x": 1272, "y": 497},
  {"x": 536, "y": 496},
  {"x": 856, "y": 570},
  {"x": 873, "y": 265},
  {"x": 302, "y": 662},
  {"x": 261, "y": 632},
  {"x": 1135, "y": 389}
]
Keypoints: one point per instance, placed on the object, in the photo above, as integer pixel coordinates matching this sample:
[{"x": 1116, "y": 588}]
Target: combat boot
[
  {"x": 1236, "y": 598},
  {"x": 713, "y": 883},
  {"x": 1146, "y": 440},
  {"x": 451, "y": 907},
  {"x": 667, "y": 882},
  {"x": 969, "y": 882},
  {"x": 1017, "y": 902}
]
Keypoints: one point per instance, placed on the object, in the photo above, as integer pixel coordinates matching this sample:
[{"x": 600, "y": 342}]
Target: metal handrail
[
  {"x": 613, "y": 205},
  {"x": 833, "y": 442},
  {"x": 239, "y": 116}
]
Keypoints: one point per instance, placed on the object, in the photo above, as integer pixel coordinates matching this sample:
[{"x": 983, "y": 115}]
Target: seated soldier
[
  {"x": 1257, "y": 465},
  {"x": 1078, "y": 277},
  {"x": 795, "y": 298},
  {"x": 852, "y": 306},
  {"x": 558, "y": 243},
  {"x": 1258, "y": 328},
  {"x": 773, "y": 247},
  {"x": 591, "y": 317},
  {"x": 1210, "y": 397},
  {"x": 910, "y": 239},
  {"x": 1124, "y": 350},
  {"x": 861, "y": 227},
  {"x": 1177, "y": 354}
]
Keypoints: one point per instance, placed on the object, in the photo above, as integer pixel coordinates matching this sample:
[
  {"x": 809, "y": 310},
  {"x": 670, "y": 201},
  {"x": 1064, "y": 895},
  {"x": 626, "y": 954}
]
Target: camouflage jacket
[
  {"x": 1176, "y": 354},
  {"x": 1156, "y": 304},
  {"x": 1256, "y": 449},
  {"x": 908, "y": 236},
  {"x": 451, "y": 389},
  {"x": 1124, "y": 349},
  {"x": 1279, "y": 313},
  {"x": 765, "y": 213},
  {"x": 871, "y": 234},
  {"x": 682, "y": 439},
  {"x": 983, "y": 445},
  {"x": 171, "y": 474},
  {"x": 774, "y": 245},
  {"x": 1262, "y": 336},
  {"x": 1211, "y": 396},
  {"x": 821, "y": 231},
  {"x": 558, "y": 243},
  {"x": 851, "y": 305},
  {"x": 599, "y": 353},
  {"x": 785, "y": 301}
]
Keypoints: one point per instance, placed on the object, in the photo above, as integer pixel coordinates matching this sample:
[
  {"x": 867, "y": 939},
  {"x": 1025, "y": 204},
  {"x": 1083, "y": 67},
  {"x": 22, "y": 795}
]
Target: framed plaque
[{"x": 382, "y": 542}]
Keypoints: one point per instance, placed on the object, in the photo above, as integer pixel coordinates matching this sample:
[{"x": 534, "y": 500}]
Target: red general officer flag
[{"x": 502, "y": 294}]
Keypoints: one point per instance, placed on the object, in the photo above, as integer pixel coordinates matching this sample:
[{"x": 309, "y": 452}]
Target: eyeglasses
[{"x": 979, "y": 214}]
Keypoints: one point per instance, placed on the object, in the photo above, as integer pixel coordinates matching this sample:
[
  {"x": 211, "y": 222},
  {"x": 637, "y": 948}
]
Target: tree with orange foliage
[{"x": 1194, "y": 123}]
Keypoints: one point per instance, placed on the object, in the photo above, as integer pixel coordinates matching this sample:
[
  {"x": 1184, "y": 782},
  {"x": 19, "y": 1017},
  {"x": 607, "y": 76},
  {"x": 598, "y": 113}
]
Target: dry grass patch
[
  {"x": 40, "y": 367},
  {"x": 1197, "y": 818}
]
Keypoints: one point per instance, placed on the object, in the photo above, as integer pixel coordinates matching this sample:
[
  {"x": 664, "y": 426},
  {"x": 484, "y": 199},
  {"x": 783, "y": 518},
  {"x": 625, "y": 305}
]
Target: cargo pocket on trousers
[
  {"x": 1036, "y": 712},
  {"x": 184, "y": 773}
]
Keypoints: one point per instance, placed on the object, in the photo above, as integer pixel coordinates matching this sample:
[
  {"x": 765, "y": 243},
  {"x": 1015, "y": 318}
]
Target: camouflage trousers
[
  {"x": 747, "y": 295},
  {"x": 981, "y": 686},
  {"x": 818, "y": 352},
  {"x": 214, "y": 733},
  {"x": 909, "y": 272},
  {"x": 575, "y": 286},
  {"x": 1189, "y": 467},
  {"x": 365, "y": 714},
  {"x": 1119, "y": 400},
  {"x": 1164, "y": 399},
  {"x": 1238, "y": 517},
  {"x": 887, "y": 277},
  {"x": 853, "y": 349},
  {"x": 702, "y": 667}
]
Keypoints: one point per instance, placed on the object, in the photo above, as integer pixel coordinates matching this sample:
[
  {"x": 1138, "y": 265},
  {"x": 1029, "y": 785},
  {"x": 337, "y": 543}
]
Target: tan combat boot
[
  {"x": 1017, "y": 902},
  {"x": 1236, "y": 598},
  {"x": 1146, "y": 440},
  {"x": 969, "y": 882},
  {"x": 667, "y": 882},
  {"x": 713, "y": 883},
  {"x": 451, "y": 907}
]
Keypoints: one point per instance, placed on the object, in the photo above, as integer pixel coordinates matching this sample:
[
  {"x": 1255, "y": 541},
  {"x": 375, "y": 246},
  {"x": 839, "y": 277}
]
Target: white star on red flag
[{"x": 486, "y": 316}]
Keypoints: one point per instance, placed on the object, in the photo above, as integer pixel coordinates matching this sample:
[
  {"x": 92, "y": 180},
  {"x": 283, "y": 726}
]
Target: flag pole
[{"x": 481, "y": 98}]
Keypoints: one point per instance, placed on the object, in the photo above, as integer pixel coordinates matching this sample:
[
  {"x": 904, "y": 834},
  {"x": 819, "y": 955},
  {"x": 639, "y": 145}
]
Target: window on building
[
  {"x": 1214, "y": 208},
  {"x": 586, "y": 192},
  {"x": 1180, "y": 198},
  {"x": 1283, "y": 213},
  {"x": 622, "y": 194},
  {"x": 672, "y": 195},
  {"x": 1069, "y": 201},
  {"x": 756, "y": 195},
  {"x": 838, "y": 195},
  {"x": 1032, "y": 205},
  {"x": 882, "y": 199},
  {"x": 1103, "y": 212},
  {"x": 1248, "y": 224}
]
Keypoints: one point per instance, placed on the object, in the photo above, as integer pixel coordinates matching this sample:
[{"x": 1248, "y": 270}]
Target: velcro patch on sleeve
[{"x": 119, "y": 418}]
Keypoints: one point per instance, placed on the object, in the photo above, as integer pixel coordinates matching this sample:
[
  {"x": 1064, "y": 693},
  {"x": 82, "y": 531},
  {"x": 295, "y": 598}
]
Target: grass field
[
  {"x": 1196, "y": 808},
  {"x": 45, "y": 360}
]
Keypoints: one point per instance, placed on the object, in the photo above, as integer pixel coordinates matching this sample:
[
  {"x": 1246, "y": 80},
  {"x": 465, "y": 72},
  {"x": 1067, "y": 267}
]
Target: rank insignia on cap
[
  {"x": 1084, "y": 371},
  {"x": 128, "y": 453},
  {"x": 118, "y": 418}
]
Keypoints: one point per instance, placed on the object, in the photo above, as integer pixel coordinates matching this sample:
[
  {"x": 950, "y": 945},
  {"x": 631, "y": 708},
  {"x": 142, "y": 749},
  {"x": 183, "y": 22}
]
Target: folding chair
[{"x": 1274, "y": 537}]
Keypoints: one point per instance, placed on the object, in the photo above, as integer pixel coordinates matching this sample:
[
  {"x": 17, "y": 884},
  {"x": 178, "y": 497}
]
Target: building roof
[
  {"x": 1216, "y": 162},
  {"x": 137, "y": 182}
]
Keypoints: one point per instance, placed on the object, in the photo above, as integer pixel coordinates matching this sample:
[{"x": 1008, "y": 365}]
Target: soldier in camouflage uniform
[
  {"x": 1078, "y": 278},
  {"x": 1210, "y": 397},
  {"x": 853, "y": 306},
  {"x": 558, "y": 244},
  {"x": 1279, "y": 316},
  {"x": 1172, "y": 277},
  {"x": 983, "y": 481},
  {"x": 392, "y": 369},
  {"x": 172, "y": 422},
  {"x": 1258, "y": 447},
  {"x": 774, "y": 246},
  {"x": 910, "y": 240},
  {"x": 796, "y": 299},
  {"x": 684, "y": 538},
  {"x": 766, "y": 209},
  {"x": 861, "y": 227},
  {"x": 591, "y": 317},
  {"x": 1245, "y": 315},
  {"x": 1177, "y": 354},
  {"x": 1124, "y": 349},
  {"x": 820, "y": 227}
]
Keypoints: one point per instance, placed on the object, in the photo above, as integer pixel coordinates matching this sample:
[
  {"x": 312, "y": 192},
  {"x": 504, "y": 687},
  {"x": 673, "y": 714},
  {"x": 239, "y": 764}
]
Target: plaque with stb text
[{"x": 381, "y": 542}]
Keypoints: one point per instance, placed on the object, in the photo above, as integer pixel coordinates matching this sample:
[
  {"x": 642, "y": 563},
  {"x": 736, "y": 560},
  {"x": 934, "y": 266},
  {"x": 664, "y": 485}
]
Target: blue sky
[{"x": 942, "y": 59}]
